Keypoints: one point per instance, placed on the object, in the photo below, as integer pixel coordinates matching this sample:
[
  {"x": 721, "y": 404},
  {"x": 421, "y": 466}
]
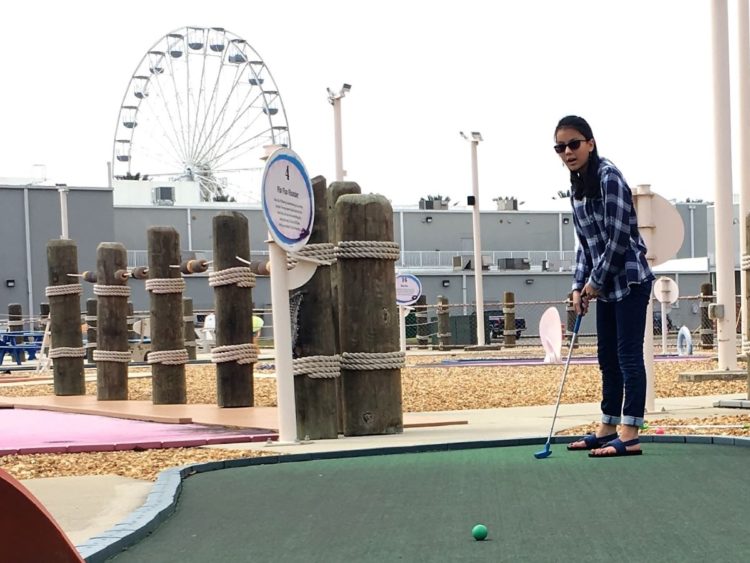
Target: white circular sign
[
  {"x": 408, "y": 289},
  {"x": 287, "y": 200},
  {"x": 666, "y": 290}
]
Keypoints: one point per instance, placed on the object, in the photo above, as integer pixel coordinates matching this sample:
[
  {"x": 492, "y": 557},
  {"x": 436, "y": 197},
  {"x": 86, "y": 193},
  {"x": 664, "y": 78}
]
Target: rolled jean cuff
[
  {"x": 613, "y": 420},
  {"x": 632, "y": 420}
]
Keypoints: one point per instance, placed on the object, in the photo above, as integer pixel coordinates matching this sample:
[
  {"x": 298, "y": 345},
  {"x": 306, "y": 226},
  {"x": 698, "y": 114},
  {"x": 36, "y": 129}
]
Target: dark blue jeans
[{"x": 620, "y": 327}]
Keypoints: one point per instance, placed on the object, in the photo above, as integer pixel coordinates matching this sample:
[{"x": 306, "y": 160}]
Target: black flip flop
[
  {"x": 620, "y": 448},
  {"x": 592, "y": 442}
]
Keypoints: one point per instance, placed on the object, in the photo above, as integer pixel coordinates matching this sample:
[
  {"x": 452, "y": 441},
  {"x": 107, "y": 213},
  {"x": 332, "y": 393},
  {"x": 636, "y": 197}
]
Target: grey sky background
[{"x": 638, "y": 70}]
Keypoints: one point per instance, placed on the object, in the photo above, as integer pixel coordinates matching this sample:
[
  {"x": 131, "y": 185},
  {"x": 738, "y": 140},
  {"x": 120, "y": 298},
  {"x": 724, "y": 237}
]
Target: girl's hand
[
  {"x": 580, "y": 303},
  {"x": 589, "y": 292}
]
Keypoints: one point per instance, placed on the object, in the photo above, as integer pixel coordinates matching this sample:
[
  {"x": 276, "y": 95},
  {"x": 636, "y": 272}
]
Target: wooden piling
[
  {"x": 189, "y": 320},
  {"x": 15, "y": 323},
  {"x": 43, "y": 316},
  {"x": 334, "y": 192},
  {"x": 233, "y": 305},
  {"x": 111, "y": 323},
  {"x": 65, "y": 318},
  {"x": 443, "y": 323},
  {"x": 368, "y": 317},
  {"x": 164, "y": 283},
  {"x": 707, "y": 324},
  {"x": 509, "y": 320},
  {"x": 423, "y": 324},
  {"x": 316, "y": 397},
  {"x": 90, "y": 329}
]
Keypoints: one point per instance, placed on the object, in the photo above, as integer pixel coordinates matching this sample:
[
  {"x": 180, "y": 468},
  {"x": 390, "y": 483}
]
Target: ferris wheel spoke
[
  {"x": 222, "y": 110},
  {"x": 157, "y": 154},
  {"x": 246, "y": 146},
  {"x": 208, "y": 105},
  {"x": 198, "y": 102},
  {"x": 223, "y": 137},
  {"x": 174, "y": 129},
  {"x": 179, "y": 103},
  {"x": 176, "y": 151}
]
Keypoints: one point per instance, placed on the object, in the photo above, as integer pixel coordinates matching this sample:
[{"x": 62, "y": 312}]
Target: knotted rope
[
  {"x": 112, "y": 356},
  {"x": 317, "y": 367},
  {"x": 378, "y": 249},
  {"x": 168, "y": 357},
  {"x": 240, "y": 353},
  {"x": 322, "y": 254},
  {"x": 745, "y": 262},
  {"x": 67, "y": 352},
  {"x": 162, "y": 286},
  {"x": 361, "y": 361},
  {"x": 67, "y": 289},
  {"x": 240, "y": 276},
  {"x": 112, "y": 291}
]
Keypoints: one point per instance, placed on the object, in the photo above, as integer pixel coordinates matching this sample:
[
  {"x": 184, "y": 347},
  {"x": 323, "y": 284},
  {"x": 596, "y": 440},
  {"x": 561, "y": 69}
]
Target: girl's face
[{"x": 573, "y": 148}]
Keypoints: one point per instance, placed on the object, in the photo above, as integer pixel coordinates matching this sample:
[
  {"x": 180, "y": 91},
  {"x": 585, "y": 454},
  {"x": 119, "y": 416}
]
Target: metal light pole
[
  {"x": 335, "y": 101},
  {"x": 479, "y": 289},
  {"x": 63, "y": 189},
  {"x": 743, "y": 70},
  {"x": 725, "y": 291}
]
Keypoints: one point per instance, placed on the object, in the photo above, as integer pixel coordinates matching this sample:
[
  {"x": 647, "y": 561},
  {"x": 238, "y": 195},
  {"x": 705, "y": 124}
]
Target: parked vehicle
[{"x": 497, "y": 325}]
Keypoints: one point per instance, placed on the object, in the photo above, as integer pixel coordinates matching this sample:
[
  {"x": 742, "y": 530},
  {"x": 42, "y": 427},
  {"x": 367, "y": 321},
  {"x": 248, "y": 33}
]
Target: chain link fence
[{"x": 459, "y": 329}]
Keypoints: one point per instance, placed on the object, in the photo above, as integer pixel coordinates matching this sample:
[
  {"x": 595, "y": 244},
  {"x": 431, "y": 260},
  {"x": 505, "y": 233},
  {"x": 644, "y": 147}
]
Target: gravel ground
[{"x": 424, "y": 389}]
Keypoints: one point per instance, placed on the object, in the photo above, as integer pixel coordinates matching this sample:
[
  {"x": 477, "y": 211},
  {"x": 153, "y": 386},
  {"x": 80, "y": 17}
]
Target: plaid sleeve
[
  {"x": 583, "y": 268},
  {"x": 618, "y": 204}
]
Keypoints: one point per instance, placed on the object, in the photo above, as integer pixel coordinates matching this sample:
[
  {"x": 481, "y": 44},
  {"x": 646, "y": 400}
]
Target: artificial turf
[{"x": 677, "y": 502}]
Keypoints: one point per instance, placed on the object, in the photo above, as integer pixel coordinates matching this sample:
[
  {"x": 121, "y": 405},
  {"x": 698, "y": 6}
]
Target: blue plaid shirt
[{"x": 611, "y": 253}]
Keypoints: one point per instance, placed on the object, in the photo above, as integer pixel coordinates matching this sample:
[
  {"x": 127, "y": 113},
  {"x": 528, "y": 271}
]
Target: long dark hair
[{"x": 585, "y": 184}]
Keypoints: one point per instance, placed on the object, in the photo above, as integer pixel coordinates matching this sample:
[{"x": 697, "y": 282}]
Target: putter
[{"x": 546, "y": 452}]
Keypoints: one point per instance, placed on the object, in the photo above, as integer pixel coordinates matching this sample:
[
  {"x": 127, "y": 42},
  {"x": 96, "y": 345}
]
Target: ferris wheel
[{"x": 201, "y": 106}]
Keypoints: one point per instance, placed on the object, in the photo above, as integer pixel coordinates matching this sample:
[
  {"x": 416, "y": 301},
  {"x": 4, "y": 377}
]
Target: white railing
[
  {"x": 553, "y": 260},
  {"x": 448, "y": 259}
]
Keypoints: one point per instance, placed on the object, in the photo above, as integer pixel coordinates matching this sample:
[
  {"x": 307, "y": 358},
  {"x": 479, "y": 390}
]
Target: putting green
[{"x": 677, "y": 502}]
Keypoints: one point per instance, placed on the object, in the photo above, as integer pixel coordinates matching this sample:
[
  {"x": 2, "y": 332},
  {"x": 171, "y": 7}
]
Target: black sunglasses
[{"x": 574, "y": 145}]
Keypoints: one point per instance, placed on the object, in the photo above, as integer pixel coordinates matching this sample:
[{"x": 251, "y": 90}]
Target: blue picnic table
[{"x": 29, "y": 343}]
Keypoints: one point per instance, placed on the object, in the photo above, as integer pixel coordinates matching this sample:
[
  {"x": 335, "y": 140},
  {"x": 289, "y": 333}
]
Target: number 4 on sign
[{"x": 287, "y": 172}]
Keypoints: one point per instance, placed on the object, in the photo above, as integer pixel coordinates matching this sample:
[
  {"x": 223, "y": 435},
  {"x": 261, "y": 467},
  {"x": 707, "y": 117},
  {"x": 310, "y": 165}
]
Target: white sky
[{"x": 421, "y": 71}]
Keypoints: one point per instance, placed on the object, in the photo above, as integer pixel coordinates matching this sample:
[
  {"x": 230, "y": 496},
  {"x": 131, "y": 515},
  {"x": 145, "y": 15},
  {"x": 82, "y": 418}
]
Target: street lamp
[
  {"x": 473, "y": 138},
  {"x": 335, "y": 100}
]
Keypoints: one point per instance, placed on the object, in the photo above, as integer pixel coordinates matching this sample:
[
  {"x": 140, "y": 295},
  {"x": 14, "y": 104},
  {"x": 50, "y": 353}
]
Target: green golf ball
[{"x": 479, "y": 532}]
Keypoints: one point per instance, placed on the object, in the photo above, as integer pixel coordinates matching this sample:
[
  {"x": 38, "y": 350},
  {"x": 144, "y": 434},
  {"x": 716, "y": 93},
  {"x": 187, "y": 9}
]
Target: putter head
[{"x": 546, "y": 452}]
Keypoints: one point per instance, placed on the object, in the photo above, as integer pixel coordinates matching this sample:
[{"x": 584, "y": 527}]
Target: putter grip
[{"x": 578, "y": 324}]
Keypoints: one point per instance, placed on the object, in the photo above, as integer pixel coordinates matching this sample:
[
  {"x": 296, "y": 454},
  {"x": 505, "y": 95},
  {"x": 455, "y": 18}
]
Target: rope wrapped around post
[
  {"x": 240, "y": 353},
  {"x": 165, "y": 286},
  {"x": 378, "y": 249},
  {"x": 317, "y": 367},
  {"x": 112, "y": 356},
  {"x": 112, "y": 290},
  {"x": 322, "y": 254},
  {"x": 65, "y": 351},
  {"x": 67, "y": 289},
  {"x": 366, "y": 361},
  {"x": 241, "y": 276},
  {"x": 168, "y": 357}
]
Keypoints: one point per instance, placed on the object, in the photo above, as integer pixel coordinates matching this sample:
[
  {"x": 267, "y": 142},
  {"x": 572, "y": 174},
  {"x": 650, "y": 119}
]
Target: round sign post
[
  {"x": 661, "y": 245},
  {"x": 289, "y": 210},
  {"x": 408, "y": 290},
  {"x": 666, "y": 292}
]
